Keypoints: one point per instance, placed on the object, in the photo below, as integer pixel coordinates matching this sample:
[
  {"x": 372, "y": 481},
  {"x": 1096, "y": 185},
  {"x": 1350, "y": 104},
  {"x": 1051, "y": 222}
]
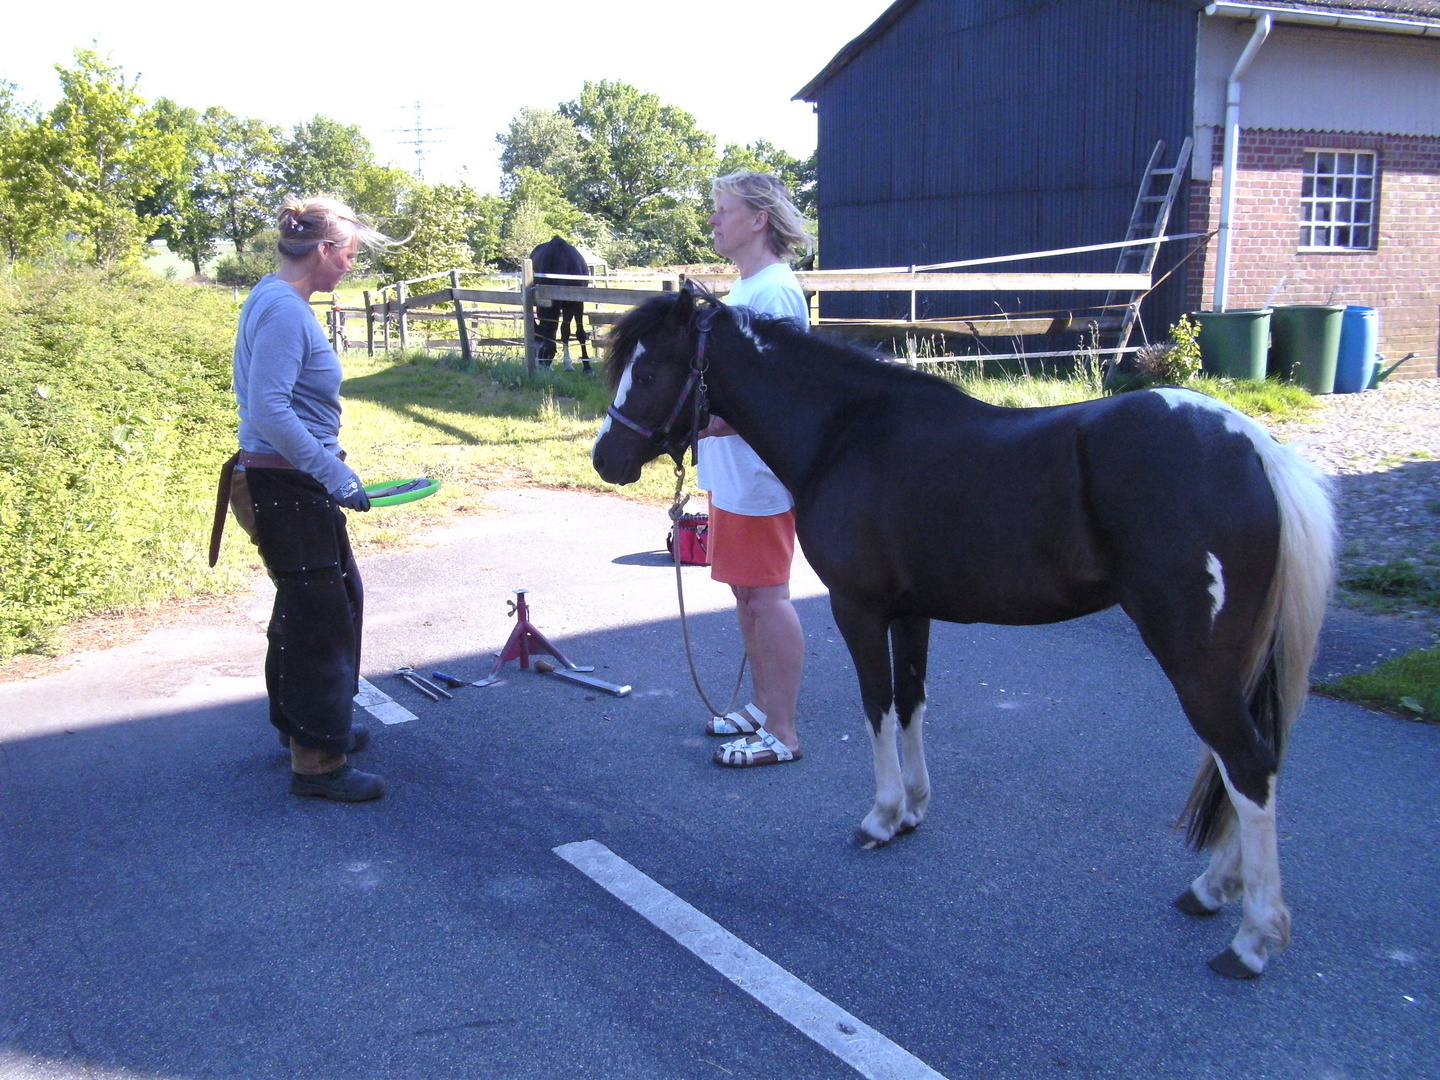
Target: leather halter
[{"x": 693, "y": 390}]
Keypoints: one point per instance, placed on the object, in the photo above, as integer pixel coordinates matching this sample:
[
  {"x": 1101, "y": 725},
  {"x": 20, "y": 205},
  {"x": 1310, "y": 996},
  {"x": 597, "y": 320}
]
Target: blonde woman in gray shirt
[{"x": 293, "y": 480}]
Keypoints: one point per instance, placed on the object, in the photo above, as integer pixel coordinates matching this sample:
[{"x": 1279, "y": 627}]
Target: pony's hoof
[
  {"x": 1229, "y": 964},
  {"x": 865, "y": 842},
  {"x": 1191, "y": 904}
]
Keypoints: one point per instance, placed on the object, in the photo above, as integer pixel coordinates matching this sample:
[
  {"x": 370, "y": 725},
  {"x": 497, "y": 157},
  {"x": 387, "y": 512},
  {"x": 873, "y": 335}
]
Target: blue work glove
[{"x": 352, "y": 495}]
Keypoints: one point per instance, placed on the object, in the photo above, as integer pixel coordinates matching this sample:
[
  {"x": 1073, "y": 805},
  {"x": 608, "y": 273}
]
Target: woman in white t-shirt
[{"x": 752, "y": 517}]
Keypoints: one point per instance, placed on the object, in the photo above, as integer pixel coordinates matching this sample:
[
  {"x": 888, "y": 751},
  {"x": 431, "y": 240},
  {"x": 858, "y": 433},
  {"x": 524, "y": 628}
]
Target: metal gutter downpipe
[{"x": 1232, "y": 158}]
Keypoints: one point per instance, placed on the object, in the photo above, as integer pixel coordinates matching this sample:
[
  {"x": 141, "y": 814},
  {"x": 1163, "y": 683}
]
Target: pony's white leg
[
  {"x": 883, "y": 821},
  {"x": 568, "y": 365},
  {"x": 1221, "y": 882},
  {"x": 912, "y": 770},
  {"x": 1265, "y": 925}
]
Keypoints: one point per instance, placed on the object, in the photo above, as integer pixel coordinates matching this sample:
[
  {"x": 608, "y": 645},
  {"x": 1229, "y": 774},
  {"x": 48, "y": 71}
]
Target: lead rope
[{"x": 676, "y": 509}]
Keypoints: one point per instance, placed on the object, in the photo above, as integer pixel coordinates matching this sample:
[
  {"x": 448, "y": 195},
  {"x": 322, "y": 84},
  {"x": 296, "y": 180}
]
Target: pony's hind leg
[
  {"x": 910, "y": 646},
  {"x": 1240, "y": 826},
  {"x": 1265, "y": 923}
]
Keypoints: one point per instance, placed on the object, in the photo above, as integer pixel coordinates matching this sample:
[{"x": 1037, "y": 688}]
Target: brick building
[
  {"x": 955, "y": 129},
  {"x": 1337, "y": 182}
]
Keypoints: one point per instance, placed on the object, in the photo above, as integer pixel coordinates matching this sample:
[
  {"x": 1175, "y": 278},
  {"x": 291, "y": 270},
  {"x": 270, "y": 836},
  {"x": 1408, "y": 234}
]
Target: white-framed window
[{"x": 1337, "y": 201}]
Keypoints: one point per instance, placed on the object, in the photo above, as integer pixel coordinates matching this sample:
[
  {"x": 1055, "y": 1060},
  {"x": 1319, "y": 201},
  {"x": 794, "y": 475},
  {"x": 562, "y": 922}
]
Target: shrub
[
  {"x": 115, "y": 413},
  {"x": 1167, "y": 363},
  {"x": 244, "y": 269}
]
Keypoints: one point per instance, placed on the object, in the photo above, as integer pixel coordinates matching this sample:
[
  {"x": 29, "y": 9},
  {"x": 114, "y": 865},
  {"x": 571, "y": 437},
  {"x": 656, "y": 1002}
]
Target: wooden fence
[{"x": 477, "y": 315}]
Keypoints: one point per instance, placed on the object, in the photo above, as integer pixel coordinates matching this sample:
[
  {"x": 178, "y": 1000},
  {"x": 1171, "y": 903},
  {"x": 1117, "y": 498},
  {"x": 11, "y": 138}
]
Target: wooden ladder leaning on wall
[{"x": 1153, "y": 203}]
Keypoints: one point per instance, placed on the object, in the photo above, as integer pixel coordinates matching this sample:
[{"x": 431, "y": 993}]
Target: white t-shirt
[{"x": 738, "y": 481}]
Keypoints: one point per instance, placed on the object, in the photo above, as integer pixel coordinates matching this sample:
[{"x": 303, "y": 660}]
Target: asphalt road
[{"x": 168, "y": 910}]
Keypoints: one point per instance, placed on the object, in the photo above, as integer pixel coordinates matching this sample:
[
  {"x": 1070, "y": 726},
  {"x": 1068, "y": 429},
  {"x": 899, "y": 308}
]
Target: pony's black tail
[{"x": 1277, "y": 679}]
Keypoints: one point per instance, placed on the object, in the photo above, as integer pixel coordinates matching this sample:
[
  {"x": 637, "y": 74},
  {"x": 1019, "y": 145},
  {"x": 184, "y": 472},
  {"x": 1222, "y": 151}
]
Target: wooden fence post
[
  {"x": 385, "y": 319},
  {"x": 460, "y": 316},
  {"x": 404, "y": 323},
  {"x": 369, "y": 326},
  {"x": 527, "y": 305}
]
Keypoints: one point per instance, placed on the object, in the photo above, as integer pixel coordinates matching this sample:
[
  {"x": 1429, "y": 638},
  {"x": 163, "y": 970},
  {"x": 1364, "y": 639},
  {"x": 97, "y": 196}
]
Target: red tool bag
[{"x": 694, "y": 532}]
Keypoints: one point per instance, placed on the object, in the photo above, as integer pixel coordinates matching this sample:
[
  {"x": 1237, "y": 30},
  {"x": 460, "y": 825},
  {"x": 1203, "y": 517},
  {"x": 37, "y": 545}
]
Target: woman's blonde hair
[
  {"x": 305, "y": 224},
  {"x": 762, "y": 191}
]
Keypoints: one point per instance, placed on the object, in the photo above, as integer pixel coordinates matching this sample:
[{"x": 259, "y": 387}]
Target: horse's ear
[{"x": 683, "y": 308}]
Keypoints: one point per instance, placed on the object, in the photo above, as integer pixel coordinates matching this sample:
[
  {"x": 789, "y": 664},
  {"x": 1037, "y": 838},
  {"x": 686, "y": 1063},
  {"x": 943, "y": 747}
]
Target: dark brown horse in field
[{"x": 557, "y": 256}]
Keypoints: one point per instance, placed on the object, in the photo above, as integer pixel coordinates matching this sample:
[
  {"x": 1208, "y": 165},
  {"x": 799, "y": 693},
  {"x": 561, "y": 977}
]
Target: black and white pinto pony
[
  {"x": 557, "y": 256},
  {"x": 914, "y": 501}
]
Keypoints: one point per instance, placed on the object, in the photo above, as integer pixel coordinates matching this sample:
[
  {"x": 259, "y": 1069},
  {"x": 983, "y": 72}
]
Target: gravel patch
[{"x": 1382, "y": 449}]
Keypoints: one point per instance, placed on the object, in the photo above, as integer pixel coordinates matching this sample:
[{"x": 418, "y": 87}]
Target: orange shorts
[{"x": 751, "y": 551}]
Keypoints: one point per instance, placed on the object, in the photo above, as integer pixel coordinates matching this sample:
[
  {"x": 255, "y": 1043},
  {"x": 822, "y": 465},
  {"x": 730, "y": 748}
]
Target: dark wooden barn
[{"x": 964, "y": 129}]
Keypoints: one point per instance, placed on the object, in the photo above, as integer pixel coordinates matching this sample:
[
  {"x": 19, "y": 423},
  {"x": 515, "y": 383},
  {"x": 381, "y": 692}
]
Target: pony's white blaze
[
  {"x": 1217, "y": 584},
  {"x": 623, "y": 389}
]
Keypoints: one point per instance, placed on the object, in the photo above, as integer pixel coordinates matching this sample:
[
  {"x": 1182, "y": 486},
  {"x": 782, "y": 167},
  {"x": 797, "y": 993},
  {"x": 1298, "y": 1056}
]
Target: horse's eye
[{"x": 644, "y": 380}]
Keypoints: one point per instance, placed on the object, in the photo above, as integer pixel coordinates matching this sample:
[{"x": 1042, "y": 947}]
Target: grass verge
[{"x": 1407, "y": 686}]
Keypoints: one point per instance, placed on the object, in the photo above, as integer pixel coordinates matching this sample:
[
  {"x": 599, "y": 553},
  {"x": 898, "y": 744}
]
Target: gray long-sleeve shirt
[{"x": 287, "y": 384}]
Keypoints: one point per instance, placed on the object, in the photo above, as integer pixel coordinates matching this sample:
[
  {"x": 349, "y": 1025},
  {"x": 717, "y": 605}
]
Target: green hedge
[{"x": 115, "y": 413}]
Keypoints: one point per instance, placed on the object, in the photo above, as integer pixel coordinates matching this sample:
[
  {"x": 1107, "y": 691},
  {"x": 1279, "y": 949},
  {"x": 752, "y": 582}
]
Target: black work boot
[{"x": 345, "y": 784}]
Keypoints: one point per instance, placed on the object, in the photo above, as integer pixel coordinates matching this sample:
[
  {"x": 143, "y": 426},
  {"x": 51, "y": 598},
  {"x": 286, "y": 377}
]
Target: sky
[{"x": 457, "y": 72}]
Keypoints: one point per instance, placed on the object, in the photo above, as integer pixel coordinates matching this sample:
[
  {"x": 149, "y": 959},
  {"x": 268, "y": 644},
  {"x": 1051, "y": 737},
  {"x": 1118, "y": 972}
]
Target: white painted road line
[
  {"x": 857, "y": 1044},
  {"x": 381, "y": 705}
]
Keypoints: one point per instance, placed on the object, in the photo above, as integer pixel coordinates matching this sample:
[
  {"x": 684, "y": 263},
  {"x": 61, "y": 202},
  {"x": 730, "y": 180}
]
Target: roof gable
[{"x": 1397, "y": 16}]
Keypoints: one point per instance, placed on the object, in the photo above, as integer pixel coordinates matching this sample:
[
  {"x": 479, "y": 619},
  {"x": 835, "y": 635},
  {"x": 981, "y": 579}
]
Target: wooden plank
[
  {"x": 626, "y": 297},
  {"x": 487, "y": 296},
  {"x": 432, "y": 299},
  {"x": 974, "y": 282},
  {"x": 861, "y": 281},
  {"x": 1018, "y": 326}
]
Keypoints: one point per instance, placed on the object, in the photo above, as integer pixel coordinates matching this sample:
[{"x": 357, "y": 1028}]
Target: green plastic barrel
[
  {"x": 1307, "y": 343},
  {"x": 1233, "y": 344}
]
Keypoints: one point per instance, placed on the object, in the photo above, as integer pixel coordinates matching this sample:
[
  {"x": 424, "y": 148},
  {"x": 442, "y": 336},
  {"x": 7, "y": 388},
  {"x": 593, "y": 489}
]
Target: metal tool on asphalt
[
  {"x": 449, "y": 680},
  {"x": 424, "y": 685},
  {"x": 544, "y": 667},
  {"x": 524, "y": 640}
]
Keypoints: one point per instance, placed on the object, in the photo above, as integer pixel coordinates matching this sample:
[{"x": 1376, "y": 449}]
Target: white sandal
[
  {"x": 745, "y": 753},
  {"x": 746, "y": 721}
]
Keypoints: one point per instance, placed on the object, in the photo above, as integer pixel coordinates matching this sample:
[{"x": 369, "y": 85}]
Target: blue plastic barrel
[{"x": 1359, "y": 337}]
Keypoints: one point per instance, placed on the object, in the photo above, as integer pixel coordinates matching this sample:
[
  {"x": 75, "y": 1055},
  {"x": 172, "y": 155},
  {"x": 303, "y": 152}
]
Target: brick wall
[{"x": 1401, "y": 277}]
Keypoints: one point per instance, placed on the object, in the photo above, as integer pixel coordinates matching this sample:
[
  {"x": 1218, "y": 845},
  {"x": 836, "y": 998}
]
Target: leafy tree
[
  {"x": 537, "y": 210},
  {"x": 25, "y": 188},
  {"x": 240, "y": 174},
  {"x": 667, "y": 232},
  {"x": 484, "y": 219},
  {"x": 383, "y": 192},
  {"x": 435, "y": 221},
  {"x": 545, "y": 141},
  {"x": 634, "y": 150},
  {"x": 326, "y": 157},
  {"x": 182, "y": 207},
  {"x": 105, "y": 153}
]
